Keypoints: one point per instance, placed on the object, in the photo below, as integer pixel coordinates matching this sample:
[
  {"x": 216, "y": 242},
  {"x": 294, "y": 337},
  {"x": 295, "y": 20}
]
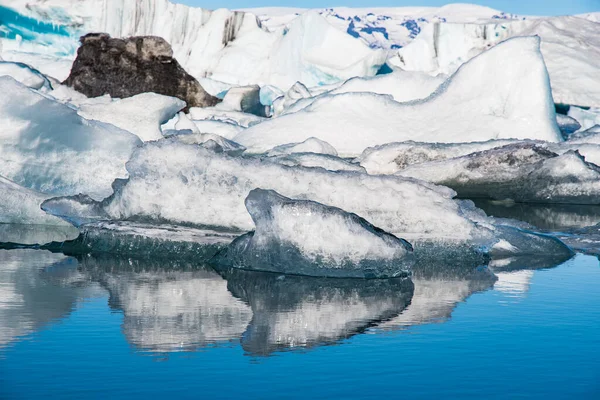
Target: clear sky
[{"x": 524, "y": 7}]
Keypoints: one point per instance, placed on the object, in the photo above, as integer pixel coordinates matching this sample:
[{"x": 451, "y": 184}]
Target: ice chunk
[
  {"x": 141, "y": 114},
  {"x": 590, "y": 135},
  {"x": 294, "y": 237},
  {"x": 243, "y": 98},
  {"x": 301, "y": 312},
  {"x": 25, "y": 74},
  {"x": 312, "y": 160},
  {"x": 19, "y": 205},
  {"x": 310, "y": 145},
  {"x": 567, "y": 125},
  {"x": 521, "y": 172},
  {"x": 47, "y": 147},
  {"x": 483, "y": 100}
]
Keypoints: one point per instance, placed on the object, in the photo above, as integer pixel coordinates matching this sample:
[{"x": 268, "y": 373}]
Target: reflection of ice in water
[
  {"x": 168, "y": 310},
  {"x": 515, "y": 283},
  {"x": 301, "y": 312},
  {"x": 438, "y": 290},
  {"x": 36, "y": 287}
]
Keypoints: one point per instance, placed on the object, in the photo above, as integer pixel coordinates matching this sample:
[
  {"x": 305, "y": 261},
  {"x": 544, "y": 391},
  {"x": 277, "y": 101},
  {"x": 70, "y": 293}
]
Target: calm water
[{"x": 92, "y": 328}]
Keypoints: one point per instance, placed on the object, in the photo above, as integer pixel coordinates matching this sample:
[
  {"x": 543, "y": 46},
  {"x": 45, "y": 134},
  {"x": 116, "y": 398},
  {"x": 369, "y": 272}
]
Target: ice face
[
  {"x": 300, "y": 312},
  {"x": 47, "y": 147},
  {"x": 521, "y": 172},
  {"x": 308, "y": 238},
  {"x": 141, "y": 114},
  {"x": 19, "y": 205},
  {"x": 567, "y": 125},
  {"x": 480, "y": 101}
]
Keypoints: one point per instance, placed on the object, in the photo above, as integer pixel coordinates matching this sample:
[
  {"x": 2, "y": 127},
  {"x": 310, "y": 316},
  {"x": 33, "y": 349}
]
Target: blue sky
[{"x": 531, "y": 7}]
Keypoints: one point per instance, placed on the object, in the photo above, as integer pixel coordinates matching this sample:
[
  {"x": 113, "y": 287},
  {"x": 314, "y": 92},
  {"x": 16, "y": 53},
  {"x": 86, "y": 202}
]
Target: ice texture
[
  {"x": 304, "y": 237},
  {"x": 19, "y": 205},
  {"x": 209, "y": 140},
  {"x": 141, "y": 114},
  {"x": 485, "y": 99},
  {"x": 521, "y": 172},
  {"x": 47, "y": 147}
]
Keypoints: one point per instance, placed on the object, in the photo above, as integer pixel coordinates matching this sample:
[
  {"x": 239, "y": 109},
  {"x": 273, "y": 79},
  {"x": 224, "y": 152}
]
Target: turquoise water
[{"x": 94, "y": 328}]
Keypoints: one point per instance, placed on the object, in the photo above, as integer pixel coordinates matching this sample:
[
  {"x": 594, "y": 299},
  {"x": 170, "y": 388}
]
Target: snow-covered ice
[
  {"x": 310, "y": 145},
  {"x": 47, "y": 147},
  {"x": 295, "y": 237},
  {"x": 316, "y": 160},
  {"x": 484, "y": 99},
  {"x": 25, "y": 74}
]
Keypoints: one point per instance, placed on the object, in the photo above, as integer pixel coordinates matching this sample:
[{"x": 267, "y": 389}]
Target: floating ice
[
  {"x": 567, "y": 125},
  {"x": 484, "y": 99},
  {"x": 521, "y": 172},
  {"x": 47, "y": 147},
  {"x": 228, "y": 130},
  {"x": 211, "y": 113},
  {"x": 141, "y": 114},
  {"x": 296, "y": 237},
  {"x": 243, "y": 98},
  {"x": 215, "y": 142},
  {"x": 586, "y": 118}
]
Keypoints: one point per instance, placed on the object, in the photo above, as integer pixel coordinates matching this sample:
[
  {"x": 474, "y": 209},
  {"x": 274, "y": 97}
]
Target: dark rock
[{"x": 126, "y": 67}]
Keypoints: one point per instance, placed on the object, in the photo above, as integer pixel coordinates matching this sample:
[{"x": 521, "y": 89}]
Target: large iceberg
[
  {"x": 484, "y": 99},
  {"x": 570, "y": 46},
  {"x": 47, "y": 147},
  {"x": 521, "y": 172},
  {"x": 307, "y": 238}
]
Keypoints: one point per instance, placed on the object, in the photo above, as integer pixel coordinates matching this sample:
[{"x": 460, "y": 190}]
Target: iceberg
[
  {"x": 301, "y": 313},
  {"x": 213, "y": 114},
  {"x": 295, "y": 237},
  {"x": 521, "y": 172},
  {"x": 314, "y": 160},
  {"x": 47, "y": 147},
  {"x": 586, "y": 118},
  {"x": 142, "y": 114},
  {"x": 570, "y": 47},
  {"x": 208, "y": 140},
  {"x": 483, "y": 100}
]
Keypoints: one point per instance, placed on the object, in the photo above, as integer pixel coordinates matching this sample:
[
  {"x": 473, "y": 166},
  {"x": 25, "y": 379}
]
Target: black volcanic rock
[{"x": 126, "y": 67}]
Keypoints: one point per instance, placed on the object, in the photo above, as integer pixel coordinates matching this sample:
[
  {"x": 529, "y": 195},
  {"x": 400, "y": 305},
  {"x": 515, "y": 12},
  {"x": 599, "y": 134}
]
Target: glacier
[
  {"x": 484, "y": 99},
  {"x": 295, "y": 237}
]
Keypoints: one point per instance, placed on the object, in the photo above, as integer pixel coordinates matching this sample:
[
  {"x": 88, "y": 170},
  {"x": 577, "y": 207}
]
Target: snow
[
  {"x": 294, "y": 236},
  {"x": 484, "y": 99},
  {"x": 521, "y": 172},
  {"x": 47, "y": 147},
  {"x": 570, "y": 46},
  {"x": 25, "y": 74},
  {"x": 19, "y": 205},
  {"x": 310, "y": 145},
  {"x": 141, "y": 114}
]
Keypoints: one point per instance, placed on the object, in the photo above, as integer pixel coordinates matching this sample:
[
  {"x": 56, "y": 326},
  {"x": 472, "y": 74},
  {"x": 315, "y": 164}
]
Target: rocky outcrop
[{"x": 126, "y": 67}]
